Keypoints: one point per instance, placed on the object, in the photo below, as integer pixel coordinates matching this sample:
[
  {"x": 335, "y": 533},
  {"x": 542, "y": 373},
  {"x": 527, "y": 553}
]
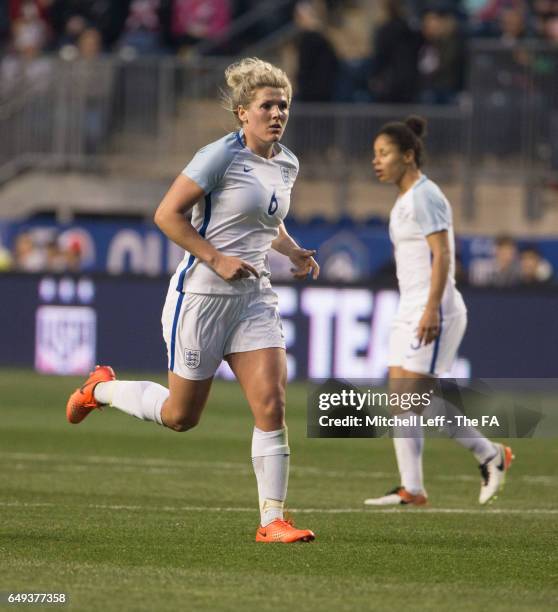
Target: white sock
[
  {"x": 142, "y": 399},
  {"x": 270, "y": 458},
  {"x": 469, "y": 437},
  {"x": 408, "y": 441}
]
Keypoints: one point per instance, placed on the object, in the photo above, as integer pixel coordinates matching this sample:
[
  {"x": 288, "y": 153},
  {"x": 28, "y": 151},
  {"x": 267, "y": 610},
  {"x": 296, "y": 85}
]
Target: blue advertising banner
[{"x": 67, "y": 324}]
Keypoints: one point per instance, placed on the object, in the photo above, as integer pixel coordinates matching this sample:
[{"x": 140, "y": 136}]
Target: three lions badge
[{"x": 192, "y": 358}]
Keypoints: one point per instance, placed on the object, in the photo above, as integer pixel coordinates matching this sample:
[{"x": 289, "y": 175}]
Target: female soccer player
[
  {"x": 432, "y": 317},
  {"x": 220, "y": 304}
]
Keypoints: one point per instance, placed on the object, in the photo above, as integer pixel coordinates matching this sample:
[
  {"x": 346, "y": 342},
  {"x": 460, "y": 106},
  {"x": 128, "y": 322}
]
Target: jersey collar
[
  {"x": 239, "y": 137},
  {"x": 276, "y": 147}
]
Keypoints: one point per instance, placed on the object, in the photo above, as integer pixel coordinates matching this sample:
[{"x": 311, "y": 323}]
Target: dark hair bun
[{"x": 417, "y": 125}]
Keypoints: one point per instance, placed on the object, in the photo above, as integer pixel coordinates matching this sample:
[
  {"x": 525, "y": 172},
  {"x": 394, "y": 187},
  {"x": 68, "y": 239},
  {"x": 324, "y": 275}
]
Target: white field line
[
  {"x": 157, "y": 465},
  {"x": 82, "y": 463},
  {"x": 241, "y": 469},
  {"x": 363, "y": 510}
]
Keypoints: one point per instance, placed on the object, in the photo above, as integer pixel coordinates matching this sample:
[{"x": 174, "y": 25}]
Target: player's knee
[
  {"x": 182, "y": 420},
  {"x": 272, "y": 410}
]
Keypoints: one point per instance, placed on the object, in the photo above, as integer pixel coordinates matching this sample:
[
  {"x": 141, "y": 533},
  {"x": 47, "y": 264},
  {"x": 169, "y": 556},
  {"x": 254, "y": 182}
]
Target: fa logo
[
  {"x": 191, "y": 358},
  {"x": 285, "y": 175}
]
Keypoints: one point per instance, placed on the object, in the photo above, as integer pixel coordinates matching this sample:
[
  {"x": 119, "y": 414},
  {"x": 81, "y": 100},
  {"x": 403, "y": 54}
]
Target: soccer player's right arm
[{"x": 170, "y": 218}]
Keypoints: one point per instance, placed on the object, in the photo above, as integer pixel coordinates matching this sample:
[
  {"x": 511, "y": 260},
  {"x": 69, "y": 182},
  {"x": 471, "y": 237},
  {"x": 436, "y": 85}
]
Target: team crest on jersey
[
  {"x": 403, "y": 214},
  {"x": 285, "y": 175},
  {"x": 192, "y": 358}
]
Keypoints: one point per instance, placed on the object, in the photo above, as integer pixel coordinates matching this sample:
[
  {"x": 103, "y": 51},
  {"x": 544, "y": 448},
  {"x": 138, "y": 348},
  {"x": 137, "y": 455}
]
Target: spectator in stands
[
  {"x": 195, "y": 21},
  {"x": 28, "y": 257},
  {"x": 68, "y": 42},
  {"x": 502, "y": 270},
  {"x": 394, "y": 71},
  {"x": 24, "y": 67},
  {"x": 93, "y": 82},
  {"x": 29, "y": 28},
  {"x": 505, "y": 265},
  {"x": 142, "y": 29},
  {"x": 485, "y": 15},
  {"x": 16, "y": 9},
  {"x": 90, "y": 44},
  {"x": 441, "y": 57},
  {"x": 546, "y": 19},
  {"x": 106, "y": 17},
  {"x": 318, "y": 65},
  {"x": 56, "y": 260},
  {"x": 534, "y": 269},
  {"x": 37, "y": 251},
  {"x": 513, "y": 25},
  {"x": 73, "y": 254}
]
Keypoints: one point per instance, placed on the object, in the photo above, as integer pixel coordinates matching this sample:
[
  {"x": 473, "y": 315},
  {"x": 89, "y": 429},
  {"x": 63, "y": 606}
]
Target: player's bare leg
[
  {"x": 262, "y": 375},
  {"x": 179, "y": 407},
  {"x": 187, "y": 399}
]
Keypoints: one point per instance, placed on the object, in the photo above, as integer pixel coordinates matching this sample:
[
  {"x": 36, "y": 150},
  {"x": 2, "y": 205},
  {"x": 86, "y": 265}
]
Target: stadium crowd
[
  {"x": 417, "y": 54},
  {"x": 417, "y": 48},
  {"x": 43, "y": 251},
  {"x": 511, "y": 264},
  {"x": 138, "y": 26}
]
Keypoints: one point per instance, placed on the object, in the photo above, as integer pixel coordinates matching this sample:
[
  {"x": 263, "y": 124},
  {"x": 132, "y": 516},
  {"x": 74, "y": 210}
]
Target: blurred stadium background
[{"x": 102, "y": 104}]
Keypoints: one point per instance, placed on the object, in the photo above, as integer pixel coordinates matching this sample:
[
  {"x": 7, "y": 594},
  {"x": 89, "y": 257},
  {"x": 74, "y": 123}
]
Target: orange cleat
[
  {"x": 82, "y": 401},
  {"x": 398, "y": 497},
  {"x": 283, "y": 531}
]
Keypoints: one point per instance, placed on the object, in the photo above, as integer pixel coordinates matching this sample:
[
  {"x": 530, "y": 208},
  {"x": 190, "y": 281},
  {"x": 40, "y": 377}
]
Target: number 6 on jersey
[{"x": 273, "y": 205}]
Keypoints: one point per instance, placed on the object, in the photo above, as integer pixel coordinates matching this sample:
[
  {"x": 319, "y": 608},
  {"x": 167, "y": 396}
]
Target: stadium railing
[{"x": 108, "y": 111}]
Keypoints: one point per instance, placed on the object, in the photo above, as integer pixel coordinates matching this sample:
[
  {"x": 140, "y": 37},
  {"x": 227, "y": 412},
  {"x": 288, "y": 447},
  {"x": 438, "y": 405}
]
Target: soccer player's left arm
[
  {"x": 302, "y": 259},
  {"x": 429, "y": 325}
]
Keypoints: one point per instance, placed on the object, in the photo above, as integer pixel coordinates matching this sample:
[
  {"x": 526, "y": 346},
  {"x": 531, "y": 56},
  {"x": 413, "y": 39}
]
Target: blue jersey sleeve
[
  {"x": 432, "y": 212},
  {"x": 210, "y": 164}
]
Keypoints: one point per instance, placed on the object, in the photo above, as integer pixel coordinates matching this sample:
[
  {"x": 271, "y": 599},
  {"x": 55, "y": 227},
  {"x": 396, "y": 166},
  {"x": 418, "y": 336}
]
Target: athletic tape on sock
[
  {"x": 268, "y": 443},
  {"x": 268, "y": 504}
]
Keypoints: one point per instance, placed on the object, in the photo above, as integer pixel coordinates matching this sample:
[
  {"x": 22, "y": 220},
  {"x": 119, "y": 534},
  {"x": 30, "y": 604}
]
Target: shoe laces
[
  {"x": 394, "y": 491},
  {"x": 288, "y": 517},
  {"x": 286, "y": 522}
]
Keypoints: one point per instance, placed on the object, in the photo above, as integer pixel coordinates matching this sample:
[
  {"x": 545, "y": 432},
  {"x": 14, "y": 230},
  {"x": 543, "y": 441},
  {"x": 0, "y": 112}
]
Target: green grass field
[{"x": 124, "y": 515}]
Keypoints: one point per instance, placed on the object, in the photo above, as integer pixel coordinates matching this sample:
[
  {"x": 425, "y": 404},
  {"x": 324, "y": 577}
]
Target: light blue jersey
[
  {"x": 246, "y": 199},
  {"x": 419, "y": 212}
]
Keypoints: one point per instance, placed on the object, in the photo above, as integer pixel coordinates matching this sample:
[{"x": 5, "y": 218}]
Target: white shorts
[
  {"x": 433, "y": 359},
  {"x": 201, "y": 329}
]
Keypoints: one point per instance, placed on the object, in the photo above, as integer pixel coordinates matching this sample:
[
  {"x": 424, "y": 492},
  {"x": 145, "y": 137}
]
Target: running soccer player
[
  {"x": 220, "y": 304},
  {"x": 432, "y": 317}
]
